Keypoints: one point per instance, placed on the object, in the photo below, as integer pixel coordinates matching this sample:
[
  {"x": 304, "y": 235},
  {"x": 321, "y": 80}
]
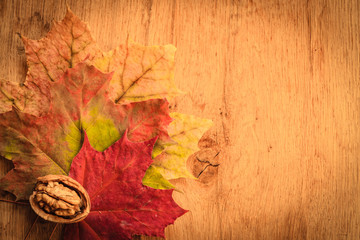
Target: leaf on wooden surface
[
  {"x": 140, "y": 72},
  {"x": 186, "y": 131},
  {"x": 121, "y": 206},
  {"x": 55, "y": 90},
  {"x": 46, "y": 145},
  {"x": 68, "y": 42}
]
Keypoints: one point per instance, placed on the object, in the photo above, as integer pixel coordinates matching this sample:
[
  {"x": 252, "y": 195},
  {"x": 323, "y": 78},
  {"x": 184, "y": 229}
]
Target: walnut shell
[{"x": 61, "y": 199}]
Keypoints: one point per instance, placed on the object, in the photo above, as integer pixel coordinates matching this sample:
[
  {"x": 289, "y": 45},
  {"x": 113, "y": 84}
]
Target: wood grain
[{"x": 280, "y": 79}]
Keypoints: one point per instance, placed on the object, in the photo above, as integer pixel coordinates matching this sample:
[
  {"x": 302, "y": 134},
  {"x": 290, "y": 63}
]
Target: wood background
[{"x": 280, "y": 80}]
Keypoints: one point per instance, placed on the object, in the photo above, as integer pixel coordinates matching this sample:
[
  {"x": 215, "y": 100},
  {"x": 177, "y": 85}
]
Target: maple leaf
[
  {"x": 46, "y": 145},
  {"x": 140, "y": 72},
  {"x": 68, "y": 43},
  {"x": 186, "y": 131},
  {"x": 121, "y": 206},
  {"x": 154, "y": 179}
]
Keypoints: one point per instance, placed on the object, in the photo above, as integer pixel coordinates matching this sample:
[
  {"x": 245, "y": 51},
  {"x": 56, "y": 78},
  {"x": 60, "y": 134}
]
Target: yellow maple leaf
[
  {"x": 140, "y": 72},
  {"x": 186, "y": 131}
]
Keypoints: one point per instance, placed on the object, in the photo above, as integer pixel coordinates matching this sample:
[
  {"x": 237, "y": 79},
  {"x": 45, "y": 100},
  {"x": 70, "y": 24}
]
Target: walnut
[{"x": 59, "y": 198}]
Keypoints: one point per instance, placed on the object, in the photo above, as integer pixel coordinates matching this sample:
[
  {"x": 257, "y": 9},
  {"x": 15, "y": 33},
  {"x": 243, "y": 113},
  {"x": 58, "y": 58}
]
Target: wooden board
[{"x": 279, "y": 78}]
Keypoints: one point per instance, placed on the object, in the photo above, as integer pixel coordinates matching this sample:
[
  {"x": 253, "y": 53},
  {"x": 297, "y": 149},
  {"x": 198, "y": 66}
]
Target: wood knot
[{"x": 204, "y": 163}]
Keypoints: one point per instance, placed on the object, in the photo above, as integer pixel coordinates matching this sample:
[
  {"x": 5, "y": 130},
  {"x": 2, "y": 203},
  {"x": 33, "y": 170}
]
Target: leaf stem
[
  {"x": 9, "y": 201},
  {"x": 27, "y": 235},
  {"x": 52, "y": 233}
]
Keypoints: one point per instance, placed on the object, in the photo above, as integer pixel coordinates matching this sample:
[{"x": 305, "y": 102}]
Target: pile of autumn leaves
[{"x": 103, "y": 119}]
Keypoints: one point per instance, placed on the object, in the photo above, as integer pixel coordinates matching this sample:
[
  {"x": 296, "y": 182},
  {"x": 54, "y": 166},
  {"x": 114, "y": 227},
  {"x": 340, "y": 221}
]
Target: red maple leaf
[{"x": 121, "y": 206}]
